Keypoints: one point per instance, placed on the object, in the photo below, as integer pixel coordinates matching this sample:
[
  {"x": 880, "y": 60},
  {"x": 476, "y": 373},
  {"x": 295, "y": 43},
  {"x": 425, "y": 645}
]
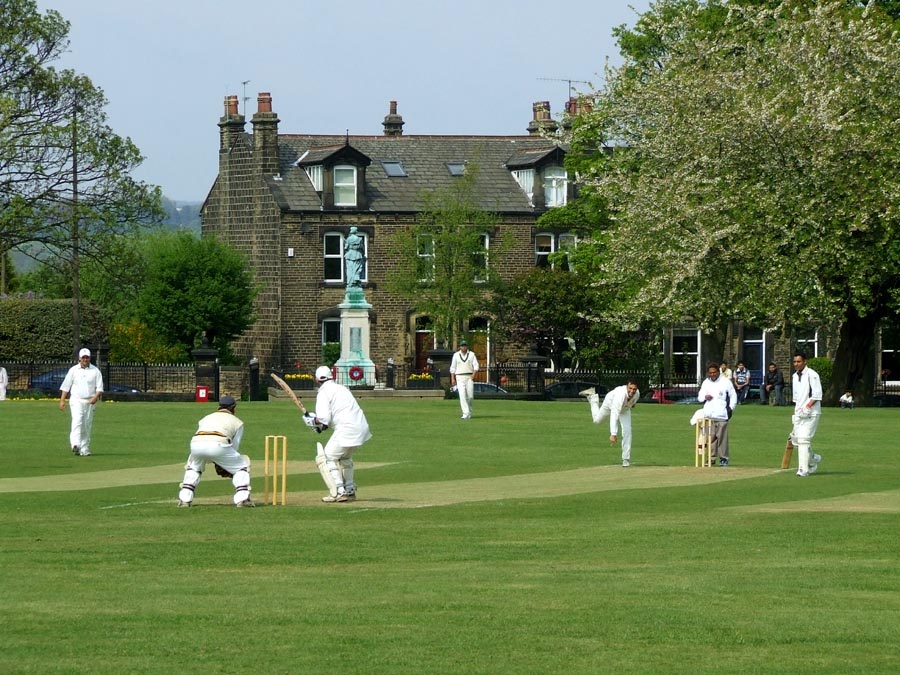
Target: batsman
[
  {"x": 807, "y": 393},
  {"x": 336, "y": 408}
]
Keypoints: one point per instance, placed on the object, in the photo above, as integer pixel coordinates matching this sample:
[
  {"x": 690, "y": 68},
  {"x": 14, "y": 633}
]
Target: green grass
[{"x": 511, "y": 543}]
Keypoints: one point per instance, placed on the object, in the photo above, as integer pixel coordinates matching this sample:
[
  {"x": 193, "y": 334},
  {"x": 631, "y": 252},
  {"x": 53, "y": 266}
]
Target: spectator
[
  {"x": 741, "y": 382},
  {"x": 772, "y": 389},
  {"x": 847, "y": 400}
]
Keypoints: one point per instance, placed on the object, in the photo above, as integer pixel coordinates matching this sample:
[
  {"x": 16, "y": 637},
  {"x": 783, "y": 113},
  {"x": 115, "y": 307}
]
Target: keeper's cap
[
  {"x": 227, "y": 401},
  {"x": 323, "y": 373}
]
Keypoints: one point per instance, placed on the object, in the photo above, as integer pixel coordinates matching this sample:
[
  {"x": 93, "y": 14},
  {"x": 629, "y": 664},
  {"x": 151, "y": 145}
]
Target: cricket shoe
[
  {"x": 85, "y": 453},
  {"x": 75, "y": 450},
  {"x": 814, "y": 464},
  {"x": 723, "y": 462},
  {"x": 590, "y": 391},
  {"x": 802, "y": 473},
  {"x": 626, "y": 462},
  {"x": 351, "y": 496},
  {"x": 183, "y": 505},
  {"x": 246, "y": 504},
  {"x": 339, "y": 498}
]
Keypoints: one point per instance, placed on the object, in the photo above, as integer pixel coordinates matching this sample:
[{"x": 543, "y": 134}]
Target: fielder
[
  {"x": 83, "y": 385},
  {"x": 463, "y": 367},
  {"x": 806, "y": 387},
  {"x": 337, "y": 408},
  {"x": 617, "y": 406},
  {"x": 218, "y": 440}
]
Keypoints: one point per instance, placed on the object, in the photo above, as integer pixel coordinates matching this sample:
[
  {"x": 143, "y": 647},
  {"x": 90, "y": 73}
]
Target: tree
[
  {"x": 756, "y": 171},
  {"x": 64, "y": 174},
  {"x": 445, "y": 267},
  {"x": 195, "y": 288}
]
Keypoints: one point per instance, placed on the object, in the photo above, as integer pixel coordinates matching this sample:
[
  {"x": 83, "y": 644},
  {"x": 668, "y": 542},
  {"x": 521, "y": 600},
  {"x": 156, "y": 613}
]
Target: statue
[{"x": 354, "y": 258}]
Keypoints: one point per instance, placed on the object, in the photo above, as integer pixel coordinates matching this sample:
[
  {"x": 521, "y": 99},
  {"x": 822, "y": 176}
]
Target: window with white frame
[
  {"x": 344, "y": 185},
  {"x": 525, "y": 179},
  {"x": 315, "y": 176},
  {"x": 686, "y": 354},
  {"x": 480, "y": 258},
  {"x": 555, "y": 186},
  {"x": 544, "y": 245},
  {"x": 807, "y": 341},
  {"x": 333, "y": 254},
  {"x": 567, "y": 244},
  {"x": 425, "y": 250}
]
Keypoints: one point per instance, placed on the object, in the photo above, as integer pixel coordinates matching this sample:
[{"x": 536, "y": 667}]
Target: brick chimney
[
  {"x": 393, "y": 123},
  {"x": 231, "y": 125},
  {"x": 542, "y": 122},
  {"x": 265, "y": 135}
]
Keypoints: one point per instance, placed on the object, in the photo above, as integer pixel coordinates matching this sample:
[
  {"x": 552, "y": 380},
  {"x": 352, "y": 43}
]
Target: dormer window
[
  {"x": 525, "y": 179},
  {"x": 344, "y": 185},
  {"x": 555, "y": 186},
  {"x": 314, "y": 172}
]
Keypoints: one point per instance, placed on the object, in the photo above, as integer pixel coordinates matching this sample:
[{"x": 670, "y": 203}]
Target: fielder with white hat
[
  {"x": 336, "y": 408},
  {"x": 83, "y": 385}
]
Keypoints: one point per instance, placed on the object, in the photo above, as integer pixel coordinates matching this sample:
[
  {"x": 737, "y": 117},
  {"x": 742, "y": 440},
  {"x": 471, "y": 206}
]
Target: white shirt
[
  {"x": 618, "y": 402},
  {"x": 807, "y": 386},
  {"x": 336, "y": 407},
  {"x": 82, "y": 382},
  {"x": 464, "y": 364},
  {"x": 723, "y": 397}
]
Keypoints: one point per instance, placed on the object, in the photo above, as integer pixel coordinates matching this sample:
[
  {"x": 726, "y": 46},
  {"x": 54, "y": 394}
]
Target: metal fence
[{"x": 47, "y": 376}]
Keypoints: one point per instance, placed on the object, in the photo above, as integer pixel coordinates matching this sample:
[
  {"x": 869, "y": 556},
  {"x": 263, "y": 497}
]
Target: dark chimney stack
[
  {"x": 541, "y": 121},
  {"x": 265, "y": 135},
  {"x": 231, "y": 125},
  {"x": 393, "y": 123}
]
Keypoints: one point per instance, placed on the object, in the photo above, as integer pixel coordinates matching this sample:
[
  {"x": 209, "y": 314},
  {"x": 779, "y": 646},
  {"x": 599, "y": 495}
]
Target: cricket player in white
[
  {"x": 806, "y": 387},
  {"x": 218, "y": 440},
  {"x": 616, "y": 406},
  {"x": 83, "y": 385},
  {"x": 719, "y": 399},
  {"x": 337, "y": 408},
  {"x": 463, "y": 367}
]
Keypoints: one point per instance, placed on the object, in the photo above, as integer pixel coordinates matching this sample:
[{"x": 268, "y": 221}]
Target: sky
[{"x": 463, "y": 67}]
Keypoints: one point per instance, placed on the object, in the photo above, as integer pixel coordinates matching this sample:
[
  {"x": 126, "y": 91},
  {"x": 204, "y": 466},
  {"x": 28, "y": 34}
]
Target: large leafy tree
[
  {"x": 195, "y": 288},
  {"x": 443, "y": 267},
  {"x": 65, "y": 180},
  {"x": 757, "y": 173}
]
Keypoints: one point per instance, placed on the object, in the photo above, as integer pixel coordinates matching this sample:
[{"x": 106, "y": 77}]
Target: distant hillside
[{"x": 182, "y": 215}]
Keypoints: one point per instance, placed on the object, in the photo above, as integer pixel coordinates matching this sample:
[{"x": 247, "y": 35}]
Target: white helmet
[{"x": 323, "y": 373}]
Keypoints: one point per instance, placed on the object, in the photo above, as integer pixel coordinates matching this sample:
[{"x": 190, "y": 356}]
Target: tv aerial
[{"x": 567, "y": 80}]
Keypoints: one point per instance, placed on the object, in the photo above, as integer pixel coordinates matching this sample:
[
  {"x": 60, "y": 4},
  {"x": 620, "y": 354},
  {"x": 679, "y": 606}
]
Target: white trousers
[
  {"x": 211, "y": 449},
  {"x": 600, "y": 413},
  {"x": 82, "y": 420},
  {"x": 801, "y": 437},
  {"x": 466, "y": 388}
]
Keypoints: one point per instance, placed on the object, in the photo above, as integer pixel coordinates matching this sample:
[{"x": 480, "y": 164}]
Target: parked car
[
  {"x": 669, "y": 395},
  {"x": 50, "y": 382},
  {"x": 571, "y": 389},
  {"x": 484, "y": 390}
]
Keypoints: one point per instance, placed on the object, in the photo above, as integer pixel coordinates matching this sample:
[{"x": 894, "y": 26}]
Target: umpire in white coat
[
  {"x": 719, "y": 398},
  {"x": 337, "y": 408},
  {"x": 616, "y": 406}
]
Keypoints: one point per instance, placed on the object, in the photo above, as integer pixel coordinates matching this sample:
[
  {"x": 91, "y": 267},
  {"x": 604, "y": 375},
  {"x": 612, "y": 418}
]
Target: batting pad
[{"x": 323, "y": 469}]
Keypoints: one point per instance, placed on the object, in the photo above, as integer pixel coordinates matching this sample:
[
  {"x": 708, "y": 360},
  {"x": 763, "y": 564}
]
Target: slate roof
[{"x": 425, "y": 160}]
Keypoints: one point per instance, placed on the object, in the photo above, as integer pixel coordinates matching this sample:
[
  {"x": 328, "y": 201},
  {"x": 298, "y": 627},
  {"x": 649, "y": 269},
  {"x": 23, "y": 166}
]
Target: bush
[
  {"x": 34, "y": 329},
  {"x": 824, "y": 367}
]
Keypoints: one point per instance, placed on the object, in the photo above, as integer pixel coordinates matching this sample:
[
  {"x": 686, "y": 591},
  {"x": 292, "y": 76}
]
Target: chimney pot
[
  {"x": 231, "y": 106},
  {"x": 264, "y": 102}
]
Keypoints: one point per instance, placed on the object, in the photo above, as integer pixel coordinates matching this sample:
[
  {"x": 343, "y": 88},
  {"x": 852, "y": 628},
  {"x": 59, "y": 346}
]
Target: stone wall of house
[{"x": 241, "y": 211}]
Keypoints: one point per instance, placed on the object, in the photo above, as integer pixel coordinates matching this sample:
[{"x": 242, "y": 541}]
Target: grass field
[{"x": 511, "y": 543}]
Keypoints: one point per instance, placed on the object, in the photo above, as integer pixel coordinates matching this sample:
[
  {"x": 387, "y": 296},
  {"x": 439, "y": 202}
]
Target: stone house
[{"x": 287, "y": 202}]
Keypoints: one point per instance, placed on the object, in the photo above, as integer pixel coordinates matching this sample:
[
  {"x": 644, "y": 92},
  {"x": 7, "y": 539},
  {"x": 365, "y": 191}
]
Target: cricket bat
[
  {"x": 788, "y": 453},
  {"x": 290, "y": 392}
]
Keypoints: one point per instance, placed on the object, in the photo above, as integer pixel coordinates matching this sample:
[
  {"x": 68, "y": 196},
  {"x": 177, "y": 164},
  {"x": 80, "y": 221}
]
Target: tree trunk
[{"x": 854, "y": 360}]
